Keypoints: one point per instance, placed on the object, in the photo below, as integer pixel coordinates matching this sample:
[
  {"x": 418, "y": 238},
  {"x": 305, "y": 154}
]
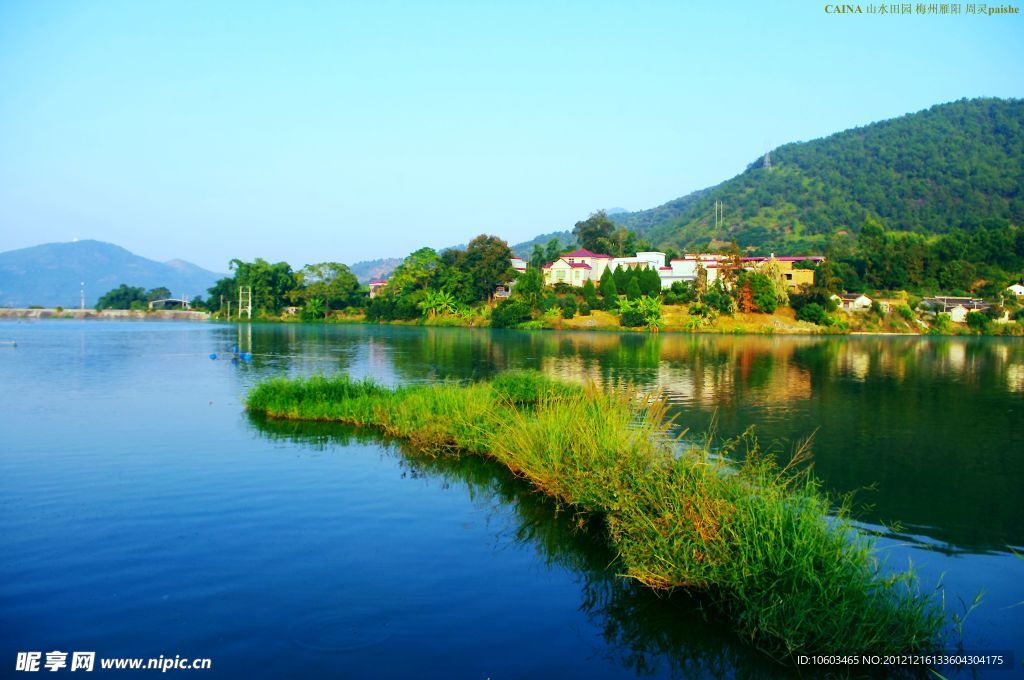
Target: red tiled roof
[
  {"x": 663, "y": 268},
  {"x": 786, "y": 258},
  {"x": 377, "y": 283},
  {"x": 583, "y": 252},
  {"x": 580, "y": 265}
]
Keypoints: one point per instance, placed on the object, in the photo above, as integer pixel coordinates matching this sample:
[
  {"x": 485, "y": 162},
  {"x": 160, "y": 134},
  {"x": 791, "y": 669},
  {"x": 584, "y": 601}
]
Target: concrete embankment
[{"x": 110, "y": 314}]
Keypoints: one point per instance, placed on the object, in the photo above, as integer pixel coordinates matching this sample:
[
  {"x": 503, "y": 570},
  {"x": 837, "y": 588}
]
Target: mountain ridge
[
  {"x": 953, "y": 165},
  {"x": 52, "y": 274}
]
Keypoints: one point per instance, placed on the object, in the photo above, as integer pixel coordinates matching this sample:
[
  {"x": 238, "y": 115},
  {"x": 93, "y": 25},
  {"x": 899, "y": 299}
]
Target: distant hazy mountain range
[
  {"x": 51, "y": 274},
  {"x": 369, "y": 270}
]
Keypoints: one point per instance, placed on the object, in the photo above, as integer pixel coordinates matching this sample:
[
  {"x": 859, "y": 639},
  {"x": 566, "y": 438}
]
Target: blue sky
[{"x": 347, "y": 131}]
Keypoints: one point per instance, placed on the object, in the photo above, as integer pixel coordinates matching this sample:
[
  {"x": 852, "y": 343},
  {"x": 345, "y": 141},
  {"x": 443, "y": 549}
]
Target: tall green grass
[{"x": 763, "y": 543}]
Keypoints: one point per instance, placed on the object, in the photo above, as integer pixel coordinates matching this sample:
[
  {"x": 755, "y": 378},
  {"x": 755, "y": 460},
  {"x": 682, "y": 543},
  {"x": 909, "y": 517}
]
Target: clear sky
[{"x": 306, "y": 131}]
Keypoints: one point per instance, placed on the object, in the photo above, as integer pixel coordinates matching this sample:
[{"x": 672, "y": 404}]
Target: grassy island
[{"x": 763, "y": 544}]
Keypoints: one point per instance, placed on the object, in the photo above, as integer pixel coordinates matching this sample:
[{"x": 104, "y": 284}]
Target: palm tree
[{"x": 437, "y": 302}]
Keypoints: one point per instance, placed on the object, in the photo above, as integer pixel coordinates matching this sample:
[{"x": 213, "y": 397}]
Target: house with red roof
[{"x": 576, "y": 268}]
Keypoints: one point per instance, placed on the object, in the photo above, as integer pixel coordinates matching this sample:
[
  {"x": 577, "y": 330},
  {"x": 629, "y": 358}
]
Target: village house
[
  {"x": 576, "y": 268},
  {"x": 957, "y": 307},
  {"x": 1017, "y": 289},
  {"x": 853, "y": 302},
  {"x": 376, "y": 287},
  {"x": 642, "y": 260},
  {"x": 794, "y": 278},
  {"x": 685, "y": 268}
]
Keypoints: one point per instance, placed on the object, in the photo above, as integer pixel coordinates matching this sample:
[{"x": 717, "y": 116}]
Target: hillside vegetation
[{"x": 957, "y": 165}]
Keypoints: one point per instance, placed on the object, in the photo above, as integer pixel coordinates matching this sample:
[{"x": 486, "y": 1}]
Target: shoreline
[
  {"x": 578, "y": 324},
  {"x": 105, "y": 314}
]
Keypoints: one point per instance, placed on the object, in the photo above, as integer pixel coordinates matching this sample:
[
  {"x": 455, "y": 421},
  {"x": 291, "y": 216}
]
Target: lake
[{"x": 143, "y": 513}]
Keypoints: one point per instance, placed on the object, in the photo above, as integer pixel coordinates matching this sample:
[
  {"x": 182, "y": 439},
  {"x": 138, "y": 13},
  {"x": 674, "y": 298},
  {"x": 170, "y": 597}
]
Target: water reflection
[
  {"x": 934, "y": 427},
  {"x": 644, "y": 633}
]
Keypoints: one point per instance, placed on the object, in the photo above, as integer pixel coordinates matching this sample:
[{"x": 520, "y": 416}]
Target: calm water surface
[{"x": 143, "y": 513}]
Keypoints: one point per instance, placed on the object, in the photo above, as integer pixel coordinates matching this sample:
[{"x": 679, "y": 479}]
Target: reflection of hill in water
[
  {"x": 650, "y": 635},
  {"x": 933, "y": 426}
]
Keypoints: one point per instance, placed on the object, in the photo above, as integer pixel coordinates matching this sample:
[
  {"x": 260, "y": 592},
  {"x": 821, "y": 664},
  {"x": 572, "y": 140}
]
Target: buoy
[
  {"x": 234, "y": 349},
  {"x": 213, "y": 356},
  {"x": 247, "y": 356}
]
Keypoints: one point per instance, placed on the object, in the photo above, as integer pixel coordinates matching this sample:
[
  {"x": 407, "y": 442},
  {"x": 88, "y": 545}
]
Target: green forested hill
[{"x": 956, "y": 165}]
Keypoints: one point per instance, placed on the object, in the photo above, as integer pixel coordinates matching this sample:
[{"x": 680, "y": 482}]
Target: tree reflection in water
[{"x": 650, "y": 635}]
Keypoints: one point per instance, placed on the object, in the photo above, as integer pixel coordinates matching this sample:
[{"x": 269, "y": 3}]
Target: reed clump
[{"x": 764, "y": 544}]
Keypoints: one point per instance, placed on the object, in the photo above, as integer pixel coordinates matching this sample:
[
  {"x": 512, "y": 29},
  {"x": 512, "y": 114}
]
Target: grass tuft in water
[{"x": 763, "y": 543}]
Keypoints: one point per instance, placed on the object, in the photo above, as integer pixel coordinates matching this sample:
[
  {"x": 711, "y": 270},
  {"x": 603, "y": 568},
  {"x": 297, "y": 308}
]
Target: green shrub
[
  {"x": 510, "y": 313},
  {"x": 814, "y": 313},
  {"x": 568, "y": 306}
]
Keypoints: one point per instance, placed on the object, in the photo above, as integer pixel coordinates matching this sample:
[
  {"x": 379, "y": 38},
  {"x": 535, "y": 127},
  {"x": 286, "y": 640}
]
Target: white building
[
  {"x": 580, "y": 266},
  {"x": 853, "y": 302},
  {"x": 685, "y": 269},
  {"x": 576, "y": 268},
  {"x": 1017, "y": 289},
  {"x": 643, "y": 260}
]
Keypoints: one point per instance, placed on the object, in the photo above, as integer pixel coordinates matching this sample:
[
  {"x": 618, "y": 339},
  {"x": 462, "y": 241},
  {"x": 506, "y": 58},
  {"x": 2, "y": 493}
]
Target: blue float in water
[
  {"x": 247, "y": 356},
  {"x": 213, "y": 356},
  {"x": 234, "y": 349}
]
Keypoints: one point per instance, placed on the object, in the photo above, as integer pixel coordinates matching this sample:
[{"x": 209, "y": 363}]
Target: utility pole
[{"x": 245, "y": 301}]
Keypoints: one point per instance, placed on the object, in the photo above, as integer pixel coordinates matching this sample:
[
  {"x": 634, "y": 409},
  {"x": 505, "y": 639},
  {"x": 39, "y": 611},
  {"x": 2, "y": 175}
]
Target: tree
[
  {"x": 488, "y": 263},
  {"x": 731, "y": 266},
  {"x": 609, "y": 291},
  {"x": 415, "y": 273},
  {"x": 700, "y": 283},
  {"x": 452, "y": 274},
  {"x": 553, "y": 251},
  {"x": 437, "y": 302},
  {"x": 650, "y": 282},
  {"x": 122, "y": 297},
  {"x": 593, "y": 232},
  {"x": 633, "y": 289},
  {"x": 225, "y": 290},
  {"x": 509, "y": 313},
  {"x": 589, "y": 293},
  {"x": 160, "y": 293},
  {"x": 332, "y": 283},
  {"x": 812, "y": 312},
  {"x": 270, "y": 283},
  {"x": 745, "y": 299},
  {"x": 622, "y": 276},
  {"x": 643, "y": 311},
  {"x": 718, "y": 297},
  {"x": 622, "y": 243},
  {"x": 529, "y": 286},
  {"x": 537, "y": 257},
  {"x": 315, "y": 308},
  {"x": 772, "y": 273},
  {"x": 568, "y": 305}
]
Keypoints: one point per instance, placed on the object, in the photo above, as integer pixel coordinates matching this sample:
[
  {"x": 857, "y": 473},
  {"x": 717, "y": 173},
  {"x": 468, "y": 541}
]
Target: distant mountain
[
  {"x": 369, "y": 270},
  {"x": 955, "y": 165},
  {"x": 51, "y": 275},
  {"x": 525, "y": 248}
]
